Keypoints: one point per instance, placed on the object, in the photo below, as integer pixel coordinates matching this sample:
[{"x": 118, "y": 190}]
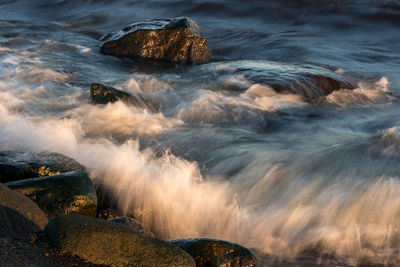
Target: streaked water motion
[{"x": 213, "y": 150}]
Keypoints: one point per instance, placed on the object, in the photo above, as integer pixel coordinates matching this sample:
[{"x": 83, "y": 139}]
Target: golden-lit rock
[
  {"x": 214, "y": 253},
  {"x": 19, "y": 216},
  {"x": 67, "y": 193},
  {"x": 18, "y": 165},
  {"x": 113, "y": 244},
  {"x": 175, "y": 40}
]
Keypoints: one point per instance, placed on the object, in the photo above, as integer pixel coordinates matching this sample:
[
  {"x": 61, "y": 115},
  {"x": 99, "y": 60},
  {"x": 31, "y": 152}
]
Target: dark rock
[
  {"x": 19, "y": 216},
  {"x": 133, "y": 224},
  {"x": 106, "y": 214},
  {"x": 104, "y": 242},
  {"x": 212, "y": 252},
  {"x": 309, "y": 82},
  {"x": 67, "y": 193},
  {"x": 17, "y": 165},
  {"x": 175, "y": 40},
  {"x": 102, "y": 94}
]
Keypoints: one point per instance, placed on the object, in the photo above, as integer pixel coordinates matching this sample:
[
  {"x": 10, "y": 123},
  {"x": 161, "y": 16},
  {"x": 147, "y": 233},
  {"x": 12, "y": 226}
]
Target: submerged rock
[
  {"x": 104, "y": 242},
  {"x": 18, "y": 165},
  {"x": 67, "y": 193},
  {"x": 309, "y": 82},
  {"x": 212, "y": 252},
  {"x": 19, "y": 216},
  {"x": 133, "y": 224},
  {"x": 175, "y": 40}
]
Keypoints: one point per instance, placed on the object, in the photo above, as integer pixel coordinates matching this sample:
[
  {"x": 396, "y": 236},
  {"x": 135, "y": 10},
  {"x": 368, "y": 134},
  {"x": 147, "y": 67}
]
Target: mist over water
[{"x": 214, "y": 150}]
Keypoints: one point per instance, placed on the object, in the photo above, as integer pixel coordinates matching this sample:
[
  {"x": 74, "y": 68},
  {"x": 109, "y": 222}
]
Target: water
[{"x": 213, "y": 151}]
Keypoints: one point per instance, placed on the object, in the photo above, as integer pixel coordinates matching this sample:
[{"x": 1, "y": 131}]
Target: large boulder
[
  {"x": 133, "y": 224},
  {"x": 67, "y": 193},
  {"x": 19, "y": 216},
  {"x": 18, "y": 165},
  {"x": 212, "y": 252},
  {"x": 104, "y": 242},
  {"x": 175, "y": 40}
]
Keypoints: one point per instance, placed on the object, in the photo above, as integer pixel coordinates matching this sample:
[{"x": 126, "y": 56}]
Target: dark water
[{"x": 215, "y": 151}]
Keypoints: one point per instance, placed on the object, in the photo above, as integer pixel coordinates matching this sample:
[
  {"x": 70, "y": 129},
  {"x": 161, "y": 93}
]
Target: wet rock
[
  {"x": 17, "y": 165},
  {"x": 309, "y": 82},
  {"x": 175, "y": 40},
  {"x": 115, "y": 244},
  {"x": 19, "y": 216},
  {"x": 212, "y": 252},
  {"x": 67, "y": 193},
  {"x": 133, "y": 224},
  {"x": 107, "y": 213},
  {"x": 102, "y": 94}
]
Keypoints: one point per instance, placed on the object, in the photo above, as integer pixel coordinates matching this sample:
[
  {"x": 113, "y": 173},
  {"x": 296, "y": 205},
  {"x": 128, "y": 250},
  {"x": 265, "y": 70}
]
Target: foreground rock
[
  {"x": 114, "y": 244},
  {"x": 67, "y": 193},
  {"x": 213, "y": 252},
  {"x": 133, "y": 224},
  {"x": 172, "y": 40},
  {"x": 17, "y": 165},
  {"x": 19, "y": 216}
]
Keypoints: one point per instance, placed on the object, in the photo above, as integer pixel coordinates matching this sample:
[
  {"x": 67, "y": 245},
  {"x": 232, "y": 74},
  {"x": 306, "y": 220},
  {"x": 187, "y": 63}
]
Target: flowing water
[{"x": 213, "y": 151}]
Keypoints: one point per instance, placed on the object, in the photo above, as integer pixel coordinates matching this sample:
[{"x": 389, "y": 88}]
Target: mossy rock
[
  {"x": 174, "y": 40},
  {"x": 214, "y": 253},
  {"x": 67, "y": 193},
  {"x": 115, "y": 244},
  {"x": 19, "y": 216},
  {"x": 19, "y": 165}
]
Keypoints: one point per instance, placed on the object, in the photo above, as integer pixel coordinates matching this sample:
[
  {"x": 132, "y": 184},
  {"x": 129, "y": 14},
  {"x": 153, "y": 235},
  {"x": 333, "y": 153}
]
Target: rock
[
  {"x": 17, "y": 165},
  {"x": 175, "y": 40},
  {"x": 19, "y": 216},
  {"x": 104, "y": 242},
  {"x": 309, "y": 82},
  {"x": 102, "y": 94},
  {"x": 213, "y": 252},
  {"x": 67, "y": 193},
  {"x": 133, "y": 224}
]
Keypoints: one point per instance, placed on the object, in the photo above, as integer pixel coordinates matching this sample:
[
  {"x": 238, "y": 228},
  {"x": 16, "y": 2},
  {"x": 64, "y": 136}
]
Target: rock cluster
[{"x": 70, "y": 200}]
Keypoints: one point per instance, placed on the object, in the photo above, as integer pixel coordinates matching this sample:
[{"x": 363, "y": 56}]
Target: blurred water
[{"x": 217, "y": 152}]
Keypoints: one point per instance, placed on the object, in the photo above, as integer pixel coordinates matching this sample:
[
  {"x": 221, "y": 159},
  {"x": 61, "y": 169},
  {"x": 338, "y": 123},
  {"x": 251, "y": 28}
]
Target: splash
[
  {"x": 280, "y": 213},
  {"x": 366, "y": 93}
]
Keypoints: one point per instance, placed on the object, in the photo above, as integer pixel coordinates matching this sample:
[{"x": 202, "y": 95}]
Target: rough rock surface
[
  {"x": 19, "y": 216},
  {"x": 104, "y": 242},
  {"x": 212, "y": 252},
  {"x": 175, "y": 40},
  {"x": 18, "y": 165},
  {"x": 67, "y": 193},
  {"x": 132, "y": 223}
]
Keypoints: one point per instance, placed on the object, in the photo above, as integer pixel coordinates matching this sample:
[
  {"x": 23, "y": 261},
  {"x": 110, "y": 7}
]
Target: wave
[{"x": 278, "y": 211}]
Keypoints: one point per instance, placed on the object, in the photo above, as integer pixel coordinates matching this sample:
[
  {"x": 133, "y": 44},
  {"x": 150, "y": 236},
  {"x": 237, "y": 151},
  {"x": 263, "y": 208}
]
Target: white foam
[
  {"x": 120, "y": 119},
  {"x": 210, "y": 107},
  {"x": 366, "y": 93}
]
